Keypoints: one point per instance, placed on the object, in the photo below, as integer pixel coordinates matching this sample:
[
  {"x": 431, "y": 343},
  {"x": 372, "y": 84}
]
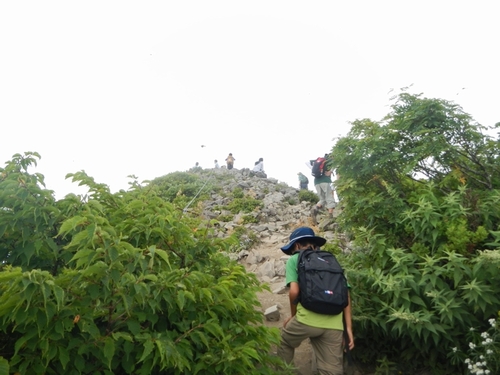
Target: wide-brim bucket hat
[{"x": 301, "y": 233}]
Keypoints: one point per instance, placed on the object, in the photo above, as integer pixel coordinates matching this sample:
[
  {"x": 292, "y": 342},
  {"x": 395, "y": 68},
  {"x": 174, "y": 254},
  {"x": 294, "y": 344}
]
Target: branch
[{"x": 187, "y": 333}]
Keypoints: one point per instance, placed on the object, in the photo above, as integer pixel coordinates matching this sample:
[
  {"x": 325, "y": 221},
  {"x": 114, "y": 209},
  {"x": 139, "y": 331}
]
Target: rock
[
  {"x": 272, "y": 314},
  {"x": 280, "y": 289},
  {"x": 267, "y": 269},
  {"x": 279, "y": 268},
  {"x": 265, "y": 279}
]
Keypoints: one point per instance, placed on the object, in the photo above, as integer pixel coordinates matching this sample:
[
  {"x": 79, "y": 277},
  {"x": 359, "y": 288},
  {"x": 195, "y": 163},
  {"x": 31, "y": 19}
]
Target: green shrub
[
  {"x": 308, "y": 196},
  {"x": 119, "y": 284},
  {"x": 250, "y": 219},
  {"x": 238, "y": 193},
  {"x": 225, "y": 218},
  {"x": 241, "y": 239},
  {"x": 424, "y": 217},
  {"x": 182, "y": 187},
  {"x": 246, "y": 205}
]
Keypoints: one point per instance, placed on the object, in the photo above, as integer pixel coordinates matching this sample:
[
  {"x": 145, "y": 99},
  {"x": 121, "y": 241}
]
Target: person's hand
[
  {"x": 286, "y": 321},
  {"x": 351, "y": 340}
]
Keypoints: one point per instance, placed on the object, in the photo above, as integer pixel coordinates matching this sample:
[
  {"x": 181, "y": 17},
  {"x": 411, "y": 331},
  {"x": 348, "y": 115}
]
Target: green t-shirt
[
  {"x": 320, "y": 180},
  {"x": 305, "y": 316}
]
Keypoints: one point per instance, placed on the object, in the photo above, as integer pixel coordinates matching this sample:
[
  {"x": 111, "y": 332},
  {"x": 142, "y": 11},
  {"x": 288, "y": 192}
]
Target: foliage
[
  {"x": 421, "y": 198},
  {"x": 250, "y": 219},
  {"x": 4, "y": 366},
  {"x": 241, "y": 239},
  {"x": 119, "y": 284},
  {"x": 308, "y": 196},
  {"x": 238, "y": 193},
  {"x": 182, "y": 187},
  {"x": 245, "y": 204},
  {"x": 225, "y": 218}
]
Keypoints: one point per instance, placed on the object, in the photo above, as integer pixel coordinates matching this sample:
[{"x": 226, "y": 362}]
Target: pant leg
[
  {"x": 328, "y": 350},
  {"x": 321, "y": 196},
  {"x": 292, "y": 336},
  {"x": 330, "y": 200}
]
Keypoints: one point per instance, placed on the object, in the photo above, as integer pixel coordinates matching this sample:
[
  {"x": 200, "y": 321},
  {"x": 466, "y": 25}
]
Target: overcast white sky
[{"x": 119, "y": 87}]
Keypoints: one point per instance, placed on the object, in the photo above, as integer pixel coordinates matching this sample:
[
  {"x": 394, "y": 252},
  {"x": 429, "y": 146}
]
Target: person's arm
[
  {"x": 293, "y": 294},
  {"x": 348, "y": 323}
]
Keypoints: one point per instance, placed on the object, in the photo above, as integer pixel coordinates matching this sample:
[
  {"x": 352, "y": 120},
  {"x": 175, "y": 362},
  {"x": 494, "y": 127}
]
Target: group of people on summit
[
  {"x": 321, "y": 171},
  {"x": 258, "y": 166}
]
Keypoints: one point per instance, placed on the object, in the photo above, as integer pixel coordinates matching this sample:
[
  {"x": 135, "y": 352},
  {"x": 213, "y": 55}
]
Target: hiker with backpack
[
  {"x": 230, "y": 161},
  {"x": 303, "y": 181},
  {"x": 319, "y": 302},
  {"x": 323, "y": 184}
]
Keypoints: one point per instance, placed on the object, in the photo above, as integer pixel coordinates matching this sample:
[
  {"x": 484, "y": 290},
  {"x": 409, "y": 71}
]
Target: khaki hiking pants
[{"x": 326, "y": 343}]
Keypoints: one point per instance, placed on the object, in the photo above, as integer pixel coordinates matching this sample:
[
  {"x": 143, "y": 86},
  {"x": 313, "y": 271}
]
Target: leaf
[
  {"x": 134, "y": 326},
  {"x": 181, "y": 300},
  {"x": 148, "y": 348},
  {"x": 59, "y": 294},
  {"x": 113, "y": 254},
  {"x": 214, "y": 328},
  {"x": 63, "y": 356},
  {"x": 71, "y": 224},
  {"x": 109, "y": 349},
  {"x": 122, "y": 335},
  {"x": 81, "y": 254},
  {"x": 28, "y": 251},
  {"x": 4, "y": 366},
  {"x": 22, "y": 340},
  {"x": 418, "y": 300},
  {"x": 163, "y": 255}
]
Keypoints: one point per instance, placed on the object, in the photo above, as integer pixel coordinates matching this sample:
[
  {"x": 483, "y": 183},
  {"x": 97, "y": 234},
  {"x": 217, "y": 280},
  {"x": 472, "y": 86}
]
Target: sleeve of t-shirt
[{"x": 291, "y": 274}]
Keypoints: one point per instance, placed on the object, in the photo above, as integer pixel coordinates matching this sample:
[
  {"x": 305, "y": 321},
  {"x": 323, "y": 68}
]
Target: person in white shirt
[{"x": 259, "y": 165}]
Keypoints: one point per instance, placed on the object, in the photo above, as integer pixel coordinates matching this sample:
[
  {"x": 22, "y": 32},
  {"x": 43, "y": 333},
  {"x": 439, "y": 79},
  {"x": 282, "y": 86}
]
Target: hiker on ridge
[
  {"x": 230, "y": 161},
  {"x": 259, "y": 165},
  {"x": 323, "y": 184},
  {"x": 303, "y": 181}
]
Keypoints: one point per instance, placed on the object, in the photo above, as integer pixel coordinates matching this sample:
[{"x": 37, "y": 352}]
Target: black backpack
[
  {"x": 322, "y": 283},
  {"x": 318, "y": 167}
]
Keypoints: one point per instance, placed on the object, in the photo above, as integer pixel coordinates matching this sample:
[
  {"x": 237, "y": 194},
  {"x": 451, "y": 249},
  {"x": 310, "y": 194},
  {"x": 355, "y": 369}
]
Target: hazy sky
[{"x": 118, "y": 87}]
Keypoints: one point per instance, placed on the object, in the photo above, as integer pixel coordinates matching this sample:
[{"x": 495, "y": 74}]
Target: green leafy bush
[
  {"x": 241, "y": 239},
  {"x": 250, "y": 219},
  {"x": 225, "y": 218},
  {"x": 238, "y": 193},
  {"x": 119, "y": 284},
  {"x": 246, "y": 205},
  {"x": 424, "y": 217},
  {"x": 308, "y": 196},
  {"x": 182, "y": 187}
]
